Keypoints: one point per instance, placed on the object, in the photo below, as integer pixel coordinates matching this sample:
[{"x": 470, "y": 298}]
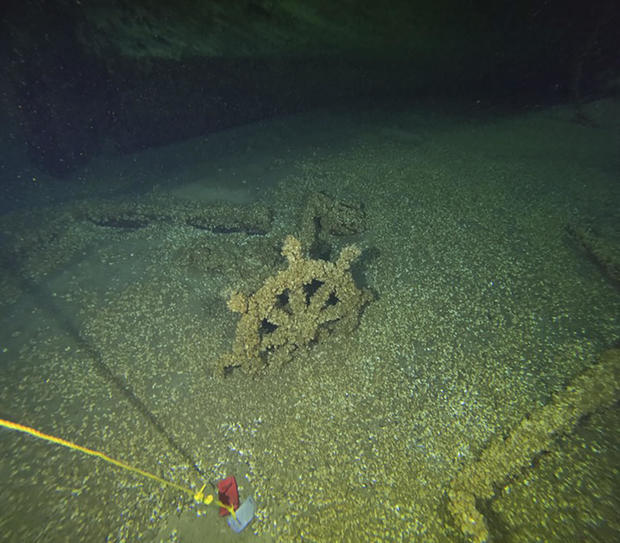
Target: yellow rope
[{"x": 198, "y": 496}]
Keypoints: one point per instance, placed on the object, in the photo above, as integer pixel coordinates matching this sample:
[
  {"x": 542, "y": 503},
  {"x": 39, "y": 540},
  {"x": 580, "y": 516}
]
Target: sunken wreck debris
[
  {"x": 217, "y": 217},
  {"x": 296, "y": 307},
  {"x": 325, "y": 217},
  {"x": 504, "y": 458},
  {"x": 600, "y": 241}
]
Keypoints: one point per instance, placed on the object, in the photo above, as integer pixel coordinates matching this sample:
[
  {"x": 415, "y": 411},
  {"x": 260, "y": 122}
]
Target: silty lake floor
[{"x": 484, "y": 306}]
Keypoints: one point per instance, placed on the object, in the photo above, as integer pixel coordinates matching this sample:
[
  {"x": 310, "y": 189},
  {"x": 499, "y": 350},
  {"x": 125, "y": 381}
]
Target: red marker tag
[{"x": 228, "y": 494}]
